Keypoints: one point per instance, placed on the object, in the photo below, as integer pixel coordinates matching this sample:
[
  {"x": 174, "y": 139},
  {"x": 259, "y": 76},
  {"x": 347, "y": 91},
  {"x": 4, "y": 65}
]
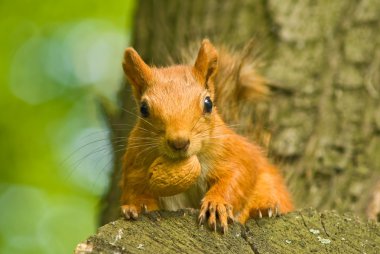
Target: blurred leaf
[{"x": 56, "y": 58}]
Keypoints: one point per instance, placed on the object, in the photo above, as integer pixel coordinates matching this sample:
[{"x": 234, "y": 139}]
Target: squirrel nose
[{"x": 179, "y": 144}]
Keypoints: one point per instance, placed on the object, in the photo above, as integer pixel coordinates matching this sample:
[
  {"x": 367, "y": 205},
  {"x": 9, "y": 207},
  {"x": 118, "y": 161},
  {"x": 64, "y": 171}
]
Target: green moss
[
  {"x": 358, "y": 44},
  {"x": 350, "y": 77},
  {"x": 367, "y": 10}
]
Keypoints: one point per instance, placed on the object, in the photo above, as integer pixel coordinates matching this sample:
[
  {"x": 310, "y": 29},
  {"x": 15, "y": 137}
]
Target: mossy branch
[{"x": 304, "y": 231}]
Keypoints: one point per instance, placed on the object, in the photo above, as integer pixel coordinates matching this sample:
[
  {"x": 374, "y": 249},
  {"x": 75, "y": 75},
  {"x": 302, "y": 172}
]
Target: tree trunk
[
  {"x": 305, "y": 231},
  {"x": 322, "y": 59}
]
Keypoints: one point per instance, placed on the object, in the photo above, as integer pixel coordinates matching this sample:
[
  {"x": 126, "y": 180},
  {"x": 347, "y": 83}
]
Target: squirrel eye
[
  {"x": 144, "y": 109},
  {"x": 207, "y": 105}
]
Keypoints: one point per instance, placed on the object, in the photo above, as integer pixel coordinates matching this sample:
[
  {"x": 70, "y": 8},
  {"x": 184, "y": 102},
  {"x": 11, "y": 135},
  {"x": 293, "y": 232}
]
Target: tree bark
[
  {"x": 305, "y": 231},
  {"x": 323, "y": 61}
]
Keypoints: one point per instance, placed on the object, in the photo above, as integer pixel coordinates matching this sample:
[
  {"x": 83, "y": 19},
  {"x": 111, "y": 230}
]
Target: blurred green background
[{"x": 57, "y": 58}]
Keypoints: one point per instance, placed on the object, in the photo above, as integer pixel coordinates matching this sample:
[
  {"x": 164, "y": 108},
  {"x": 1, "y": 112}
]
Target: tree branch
[{"x": 304, "y": 231}]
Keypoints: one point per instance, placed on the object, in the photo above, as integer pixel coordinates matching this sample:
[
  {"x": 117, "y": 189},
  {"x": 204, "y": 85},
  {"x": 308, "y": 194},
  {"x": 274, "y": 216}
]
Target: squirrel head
[{"x": 175, "y": 103}]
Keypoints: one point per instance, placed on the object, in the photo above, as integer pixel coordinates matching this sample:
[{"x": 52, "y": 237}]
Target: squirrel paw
[
  {"x": 270, "y": 212},
  {"x": 216, "y": 210},
  {"x": 130, "y": 211}
]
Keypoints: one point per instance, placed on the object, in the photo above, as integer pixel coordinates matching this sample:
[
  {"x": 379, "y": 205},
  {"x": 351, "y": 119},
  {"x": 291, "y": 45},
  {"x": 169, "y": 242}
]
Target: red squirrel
[{"x": 178, "y": 119}]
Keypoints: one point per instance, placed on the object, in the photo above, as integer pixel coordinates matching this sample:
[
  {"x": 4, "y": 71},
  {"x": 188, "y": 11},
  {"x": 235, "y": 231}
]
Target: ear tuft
[
  {"x": 207, "y": 61},
  {"x": 136, "y": 70}
]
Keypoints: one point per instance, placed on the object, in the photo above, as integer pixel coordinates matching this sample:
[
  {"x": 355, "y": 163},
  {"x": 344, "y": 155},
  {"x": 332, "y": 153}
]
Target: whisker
[
  {"x": 140, "y": 128},
  {"x": 118, "y": 150},
  {"x": 82, "y": 147},
  {"x": 145, "y": 150},
  {"x": 108, "y": 144},
  {"x": 101, "y": 171},
  {"x": 138, "y": 144},
  {"x": 95, "y": 133},
  {"x": 112, "y": 153},
  {"x": 123, "y": 124},
  {"x": 99, "y": 149},
  {"x": 147, "y": 155},
  {"x": 143, "y": 145},
  {"x": 146, "y": 121},
  {"x": 76, "y": 164},
  {"x": 114, "y": 141},
  {"x": 196, "y": 123},
  {"x": 143, "y": 139},
  {"x": 148, "y": 131}
]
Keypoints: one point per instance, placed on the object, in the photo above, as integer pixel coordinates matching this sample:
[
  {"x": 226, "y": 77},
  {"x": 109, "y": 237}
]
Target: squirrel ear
[
  {"x": 136, "y": 70},
  {"x": 207, "y": 61}
]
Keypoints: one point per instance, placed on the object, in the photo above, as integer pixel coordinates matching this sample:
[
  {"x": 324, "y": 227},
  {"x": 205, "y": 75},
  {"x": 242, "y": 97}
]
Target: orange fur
[{"x": 239, "y": 180}]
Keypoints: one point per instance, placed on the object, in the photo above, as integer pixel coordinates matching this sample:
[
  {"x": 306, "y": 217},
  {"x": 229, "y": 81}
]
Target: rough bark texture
[
  {"x": 305, "y": 231},
  {"x": 323, "y": 58}
]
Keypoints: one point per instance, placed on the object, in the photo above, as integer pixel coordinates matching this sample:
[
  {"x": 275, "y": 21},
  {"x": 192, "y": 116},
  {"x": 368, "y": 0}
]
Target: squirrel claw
[
  {"x": 277, "y": 211},
  {"x": 224, "y": 230},
  {"x": 270, "y": 213},
  {"x": 230, "y": 215},
  {"x": 144, "y": 208},
  {"x": 129, "y": 211},
  {"x": 217, "y": 213},
  {"x": 201, "y": 218}
]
